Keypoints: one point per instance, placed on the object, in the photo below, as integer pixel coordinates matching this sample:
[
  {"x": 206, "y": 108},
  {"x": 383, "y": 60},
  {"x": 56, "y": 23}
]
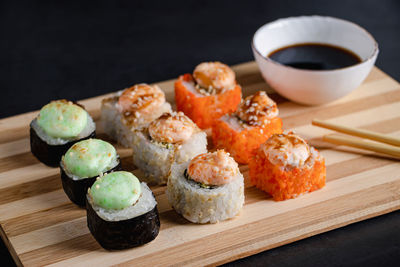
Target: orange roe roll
[
  {"x": 241, "y": 133},
  {"x": 208, "y": 94},
  {"x": 285, "y": 166}
]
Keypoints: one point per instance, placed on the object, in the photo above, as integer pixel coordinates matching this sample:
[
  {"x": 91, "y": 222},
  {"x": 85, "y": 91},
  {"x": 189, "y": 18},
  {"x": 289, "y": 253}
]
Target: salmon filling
[
  {"x": 216, "y": 168},
  {"x": 172, "y": 128},
  {"x": 139, "y": 102}
]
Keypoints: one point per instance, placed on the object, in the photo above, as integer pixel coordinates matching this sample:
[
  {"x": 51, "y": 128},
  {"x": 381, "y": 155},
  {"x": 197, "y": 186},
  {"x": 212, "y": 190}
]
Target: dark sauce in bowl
[{"x": 314, "y": 56}]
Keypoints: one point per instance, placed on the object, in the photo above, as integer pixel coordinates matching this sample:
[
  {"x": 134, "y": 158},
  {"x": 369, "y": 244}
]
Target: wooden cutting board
[{"x": 40, "y": 226}]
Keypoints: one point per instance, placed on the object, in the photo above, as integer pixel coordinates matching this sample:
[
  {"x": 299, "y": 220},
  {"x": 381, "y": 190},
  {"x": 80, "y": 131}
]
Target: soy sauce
[{"x": 314, "y": 56}]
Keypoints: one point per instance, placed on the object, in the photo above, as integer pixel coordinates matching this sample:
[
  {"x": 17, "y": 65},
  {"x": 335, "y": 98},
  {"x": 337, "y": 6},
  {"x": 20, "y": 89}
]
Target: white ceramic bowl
[{"x": 313, "y": 87}]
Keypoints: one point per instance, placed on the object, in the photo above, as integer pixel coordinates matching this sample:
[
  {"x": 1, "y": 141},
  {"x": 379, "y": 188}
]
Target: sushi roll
[
  {"x": 172, "y": 138},
  {"x": 242, "y": 132},
  {"x": 121, "y": 212},
  {"x": 130, "y": 110},
  {"x": 82, "y": 163},
  {"x": 208, "y": 189},
  {"x": 285, "y": 166},
  {"x": 208, "y": 94},
  {"x": 58, "y": 126}
]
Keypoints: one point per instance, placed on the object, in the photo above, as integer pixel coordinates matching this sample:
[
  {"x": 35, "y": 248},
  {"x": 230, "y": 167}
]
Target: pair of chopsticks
[{"x": 385, "y": 144}]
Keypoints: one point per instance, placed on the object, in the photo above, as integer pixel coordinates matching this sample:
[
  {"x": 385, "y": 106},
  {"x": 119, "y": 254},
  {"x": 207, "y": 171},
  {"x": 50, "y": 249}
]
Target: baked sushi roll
[
  {"x": 242, "y": 132},
  {"x": 208, "y": 94},
  {"x": 170, "y": 139},
  {"x": 58, "y": 126},
  {"x": 208, "y": 189},
  {"x": 83, "y": 163},
  {"x": 121, "y": 212},
  {"x": 285, "y": 166},
  {"x": 130, "y": 110}
]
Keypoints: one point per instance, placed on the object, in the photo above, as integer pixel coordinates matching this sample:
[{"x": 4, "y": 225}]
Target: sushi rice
[
  {"x": 112, "y": 123},
  {"x": 204, "y": 205},
  {"x": 155, "y": 159}
]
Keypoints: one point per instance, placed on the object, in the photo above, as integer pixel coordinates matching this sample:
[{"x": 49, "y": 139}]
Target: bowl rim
[{"x": 369, "y": 58}]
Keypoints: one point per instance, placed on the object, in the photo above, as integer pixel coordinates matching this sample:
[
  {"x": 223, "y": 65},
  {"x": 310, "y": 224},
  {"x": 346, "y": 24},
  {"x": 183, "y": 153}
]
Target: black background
[{"x": 63, "y": 49}]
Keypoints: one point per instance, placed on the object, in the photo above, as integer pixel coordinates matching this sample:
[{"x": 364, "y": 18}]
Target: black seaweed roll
[
  {"x": 121, "y": 212},
  {"x": 83, "y": 163},
  {"x": 59, "y": 125}
]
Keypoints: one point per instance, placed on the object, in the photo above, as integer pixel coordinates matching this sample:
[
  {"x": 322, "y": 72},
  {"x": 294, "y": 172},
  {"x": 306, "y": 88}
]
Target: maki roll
[
  {"x": 242, "y": 132},
  {"x": 121, "y": 212},
  {"x": 58, "y": 126},
  {"x": 208, "y": 189},
  {"x": 172, "y": 138},
  {"x": 208, "y": 94},
  {"x": 82, "y": 163},
  {"x": 130, "y": 110},
  {"x": 285, "y": 166}
]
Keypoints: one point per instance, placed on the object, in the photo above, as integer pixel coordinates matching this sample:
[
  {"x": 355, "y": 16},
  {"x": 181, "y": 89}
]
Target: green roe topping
[
  {"x": 89, "y": 158},
  {"x": 116, "y": 190},
  {"x": 62, "y": 119}
]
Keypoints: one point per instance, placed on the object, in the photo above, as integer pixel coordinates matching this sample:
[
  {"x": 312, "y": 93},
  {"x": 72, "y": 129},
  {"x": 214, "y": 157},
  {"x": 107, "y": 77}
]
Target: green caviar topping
[
  {"x": 116, "y": 190},
  {"x": 89, "y": 158},
  {"x": 62, "y": 119}
]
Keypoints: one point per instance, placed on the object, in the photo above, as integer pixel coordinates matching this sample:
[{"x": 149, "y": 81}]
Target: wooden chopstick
[
  {"x": 359, "y": 132},
  {"x": 360, "y": 143}
]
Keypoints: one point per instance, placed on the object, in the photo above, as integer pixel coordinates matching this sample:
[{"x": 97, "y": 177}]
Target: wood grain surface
[{"x": 40, "y": 226}]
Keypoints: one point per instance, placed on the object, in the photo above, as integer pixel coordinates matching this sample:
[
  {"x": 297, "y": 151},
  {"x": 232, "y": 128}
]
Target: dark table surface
[{"x": 58, "y": 49}]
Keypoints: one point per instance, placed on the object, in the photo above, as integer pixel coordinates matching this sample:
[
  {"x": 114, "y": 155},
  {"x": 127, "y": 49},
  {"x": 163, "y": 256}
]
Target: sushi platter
[{"x": 41, "y": 226}]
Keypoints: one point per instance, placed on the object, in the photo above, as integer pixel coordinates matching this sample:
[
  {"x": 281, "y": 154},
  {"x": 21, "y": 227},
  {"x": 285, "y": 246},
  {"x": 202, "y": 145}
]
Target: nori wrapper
[
  {"x": 51, "y": 154},
  {"x": 115, "y": 235},
  {"x": 76, "y": 190}
]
